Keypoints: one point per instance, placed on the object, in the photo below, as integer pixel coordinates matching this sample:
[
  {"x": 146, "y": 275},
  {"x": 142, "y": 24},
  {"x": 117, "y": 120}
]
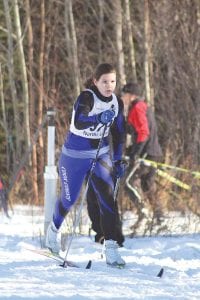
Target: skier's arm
[
  {"x": 118, "y": 133},
  {"x": 82, "y": 108},
  {"x": 138, "y": 120}
]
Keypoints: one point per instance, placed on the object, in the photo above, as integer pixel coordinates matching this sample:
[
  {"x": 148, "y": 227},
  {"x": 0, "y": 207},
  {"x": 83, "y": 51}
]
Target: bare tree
[
  {"x": 148, "y": 55},
  {"x": 23, "y": 72},
  {"x": 72, "y": 43},
  {"x": 100, "y": 29},
  {"x": 11, "y": 72},
  {"x": 32, "y": 101},
  {"x": 41, "y": 95},
  {"x": 4, "y": 123},
  {"x": 129, "y": 24},
  {"x": 120, "y": 53}
]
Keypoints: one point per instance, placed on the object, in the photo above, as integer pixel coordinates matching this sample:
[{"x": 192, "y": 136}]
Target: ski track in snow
[{"x": 28, "y": 275}]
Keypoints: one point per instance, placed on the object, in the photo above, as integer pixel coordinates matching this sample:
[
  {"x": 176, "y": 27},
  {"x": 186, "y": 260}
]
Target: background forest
[{"x": 48, "y": 48}]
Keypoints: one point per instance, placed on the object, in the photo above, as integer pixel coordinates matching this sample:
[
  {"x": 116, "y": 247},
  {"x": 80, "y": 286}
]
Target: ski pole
[
  {"x": 116, "y": 188},
  {"x": 77, "y": 219},
  {"x": 117, "y": 183},
  {"x": 130, "y": 187}
]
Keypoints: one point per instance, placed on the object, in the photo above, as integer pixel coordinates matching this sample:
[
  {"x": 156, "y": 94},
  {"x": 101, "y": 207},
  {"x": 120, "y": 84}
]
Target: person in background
[
  {"x": 141, "y": 126},
  {"x": 97, "y": 113},
  {"x": 3, "y": 198},
  {"x": 1, "y": 189}
]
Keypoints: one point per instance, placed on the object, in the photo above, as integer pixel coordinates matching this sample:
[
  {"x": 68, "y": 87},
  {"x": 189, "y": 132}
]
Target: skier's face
[{"x": 106, "y": 84}]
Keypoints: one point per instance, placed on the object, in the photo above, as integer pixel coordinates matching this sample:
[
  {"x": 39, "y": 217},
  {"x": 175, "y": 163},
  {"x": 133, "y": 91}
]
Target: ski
[
  {"x": 57, "y": 257},
  {"x": 117, "y": 266},
  {"x": 125, "y": 267},
  {"x": 159, "y": 274},
  {"x": 68, "y": 263}
]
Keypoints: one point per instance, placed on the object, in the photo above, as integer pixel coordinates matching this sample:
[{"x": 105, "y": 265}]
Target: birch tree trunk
[
  {"x": 148, "y": 56},
  {"x": 71, "y": 39},
  {"x": 119, "y": 43},
  {"x": 41, "y": 99},
  {"x": 32, "y": 102},
  {"x": 197, "y": 84},
  {"x": 11, "y": 72},
  {"x": 100, "y": 29},
  {"x": 4, "y": 122},
  {"x": 129, "y": 22},
  {"x": 23, "y": 72},
  {"x": 198, "y": 79},
  {"x": 67, "y": 30}
]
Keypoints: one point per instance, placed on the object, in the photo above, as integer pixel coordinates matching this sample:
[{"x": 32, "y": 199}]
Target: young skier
[{"x": 96, "y": 114}]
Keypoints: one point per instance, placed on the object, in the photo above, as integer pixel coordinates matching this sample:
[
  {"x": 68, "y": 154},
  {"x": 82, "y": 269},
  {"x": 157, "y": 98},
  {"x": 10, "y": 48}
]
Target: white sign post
[{"x": 51, "y": 174}]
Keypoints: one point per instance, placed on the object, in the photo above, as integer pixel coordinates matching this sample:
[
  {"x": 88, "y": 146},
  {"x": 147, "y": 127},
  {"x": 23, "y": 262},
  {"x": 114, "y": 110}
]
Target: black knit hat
[{"x": 131, "y": 88}]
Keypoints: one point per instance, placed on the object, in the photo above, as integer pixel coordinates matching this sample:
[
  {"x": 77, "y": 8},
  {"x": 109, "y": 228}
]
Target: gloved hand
[
  {"x": 136, "y": 150},
  {"x": 128, "y": 151},
  {"x": 106, "y": 116},
  {"x": 120, "y": 168}
]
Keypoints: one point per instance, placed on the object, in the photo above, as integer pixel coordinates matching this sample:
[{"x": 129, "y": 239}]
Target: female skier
[{"x": 97, "y": 115}]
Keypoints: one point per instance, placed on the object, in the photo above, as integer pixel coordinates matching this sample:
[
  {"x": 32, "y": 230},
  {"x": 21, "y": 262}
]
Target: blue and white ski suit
[{"x": 79, "y": 151}]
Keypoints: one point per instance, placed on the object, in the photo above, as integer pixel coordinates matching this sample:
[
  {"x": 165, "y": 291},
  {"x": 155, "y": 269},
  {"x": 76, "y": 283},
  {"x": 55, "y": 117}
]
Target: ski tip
[
  {"x": 64, "y": 264},
  {"x": 160, "y": 274},
  {"x": 89, "y": 264}
]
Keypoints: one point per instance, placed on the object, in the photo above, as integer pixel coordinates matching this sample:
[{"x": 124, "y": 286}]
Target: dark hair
[
  {"x": 101, "y": 69},
  {"x": 131, "y": 88}
]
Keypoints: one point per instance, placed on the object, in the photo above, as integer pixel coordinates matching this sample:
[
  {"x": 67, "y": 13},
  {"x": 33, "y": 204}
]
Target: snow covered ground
[{"x": 28, "y": 275}]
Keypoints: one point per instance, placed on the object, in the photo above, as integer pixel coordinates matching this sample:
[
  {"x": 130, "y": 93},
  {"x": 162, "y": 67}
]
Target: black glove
[
  {"x": 128, "y": 151},
  {"x": 137, "y": 150},
  {"x": 120, "y": 168}
]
